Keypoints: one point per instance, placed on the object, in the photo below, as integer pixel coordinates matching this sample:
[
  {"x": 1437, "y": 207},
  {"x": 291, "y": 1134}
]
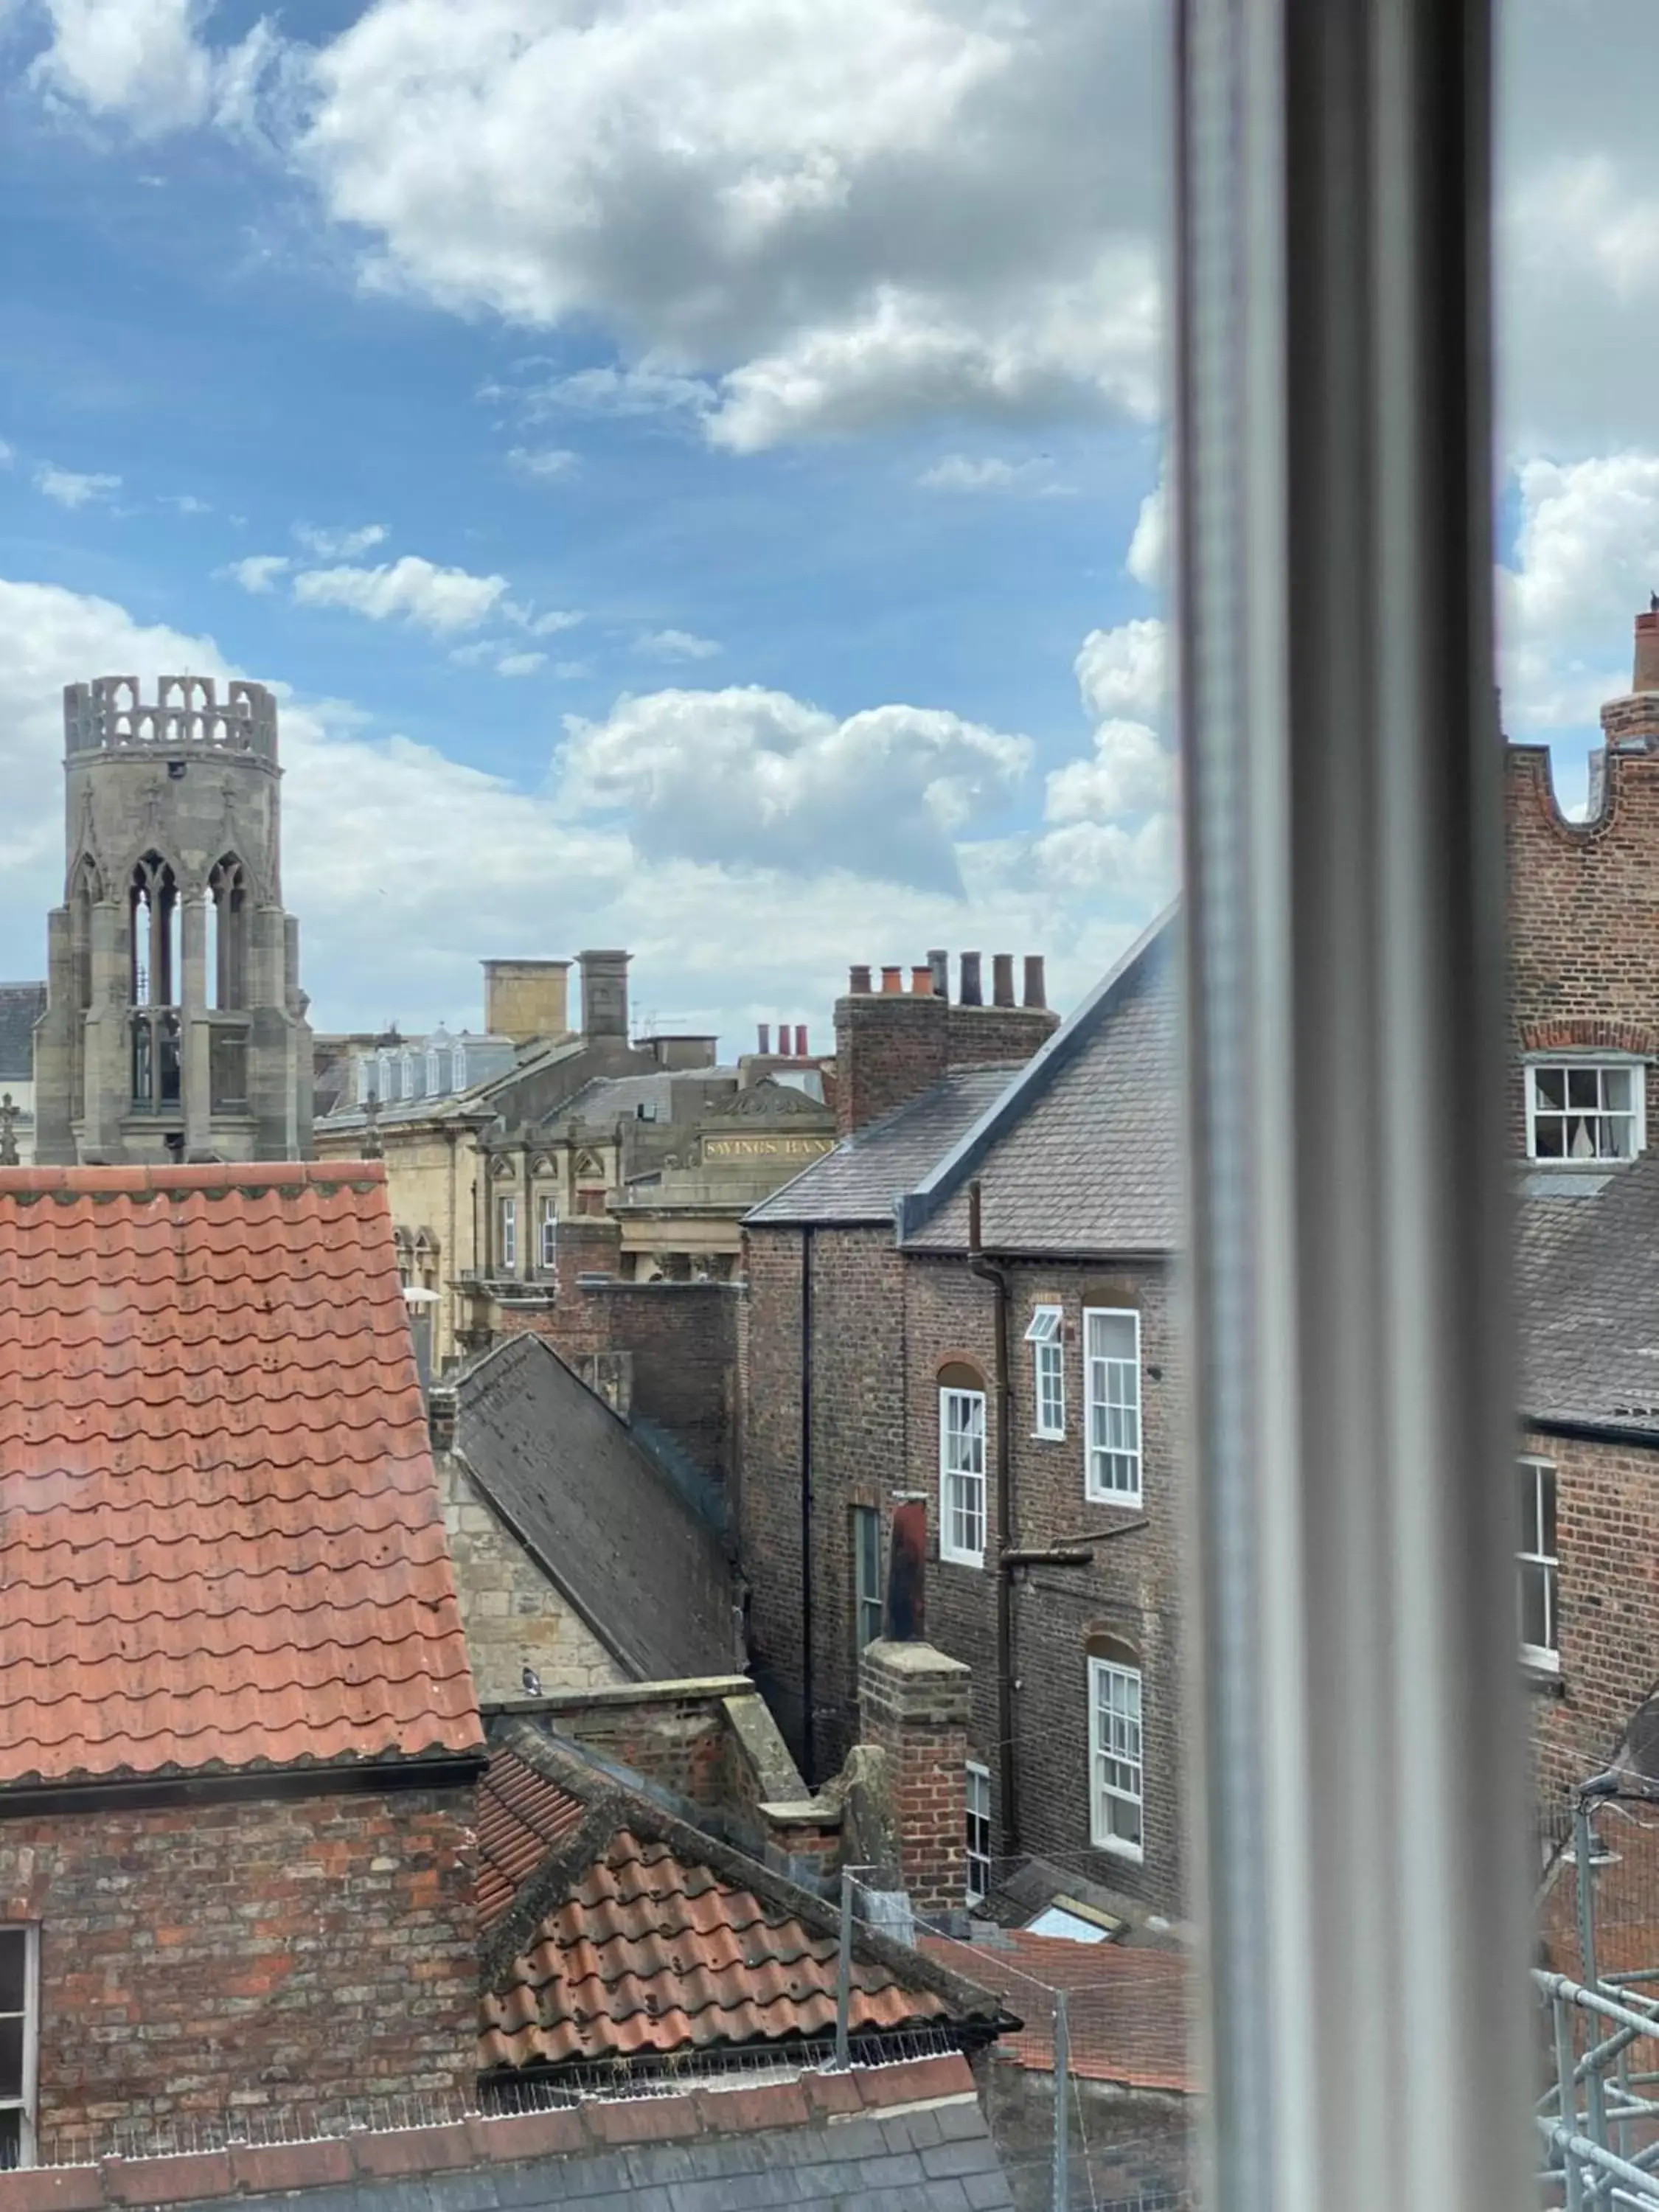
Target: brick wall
[
  {"x": 1606, "y": 1605},
  {"x": 915, "y": 1703},
  {"x": 513, "y": 1615},
  {"x": 892, "y": 1045},
  {"x": 263, "y": 1954},
  {"x": 884, "y": 1323},
  {"x": 680, "y": 1338},
  {"x": 1584, "y": 914}
]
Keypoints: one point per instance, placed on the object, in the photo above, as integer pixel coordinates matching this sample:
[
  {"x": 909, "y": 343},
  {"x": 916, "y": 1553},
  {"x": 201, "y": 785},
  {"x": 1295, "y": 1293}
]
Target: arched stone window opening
[
  {"x": 86, "y": 889},
  {"x": 405, "y": 1260},
  {"x": 227, "y": 924},
  {"x": 152, "y": 916},
  {"x": 426, "y": 1260}
]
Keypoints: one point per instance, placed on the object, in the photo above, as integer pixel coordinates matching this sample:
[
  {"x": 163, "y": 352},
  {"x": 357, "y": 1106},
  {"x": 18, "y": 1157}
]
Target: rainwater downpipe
[
  {"x": 808, "y": 1731},
  {"x": 1007, "y": 1535}
]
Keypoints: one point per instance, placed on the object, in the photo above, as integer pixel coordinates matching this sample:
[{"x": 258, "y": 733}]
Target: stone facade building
[
  {"x": 21, "y": 1006},
  {"x": 968, "y": 1304},
  {"x": 175, "y": 1027}
]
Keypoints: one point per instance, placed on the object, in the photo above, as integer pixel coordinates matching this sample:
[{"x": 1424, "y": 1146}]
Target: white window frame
[
  {"x": 1098, "y": 1379},
  {"x": 1045, "y": 1338},
  {"x": 1599, "y": 1064},
  {"x": 977, "y": 1838},
  {"x": 970, "y": 1505},
  {"x": 26, "y": 2104},
  {"x": 1128, "y": 1753},
  {"x": 1545, "y": 1657},
  {"x": 547, "y": 1233},
  {"x": 865, "y": 1599},
  {"x": 506, "y": 1231}
]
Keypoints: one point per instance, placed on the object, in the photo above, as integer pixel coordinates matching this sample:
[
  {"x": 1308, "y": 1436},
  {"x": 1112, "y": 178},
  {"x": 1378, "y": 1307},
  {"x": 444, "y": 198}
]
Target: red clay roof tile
[
  {"x": 647, "y": 1952},
  {"x": 220, "y": 1531}
]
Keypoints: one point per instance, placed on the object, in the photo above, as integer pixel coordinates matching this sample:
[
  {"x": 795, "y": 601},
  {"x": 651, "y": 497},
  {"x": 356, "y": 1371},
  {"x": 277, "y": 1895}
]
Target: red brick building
[
  {"x": 968, "y": 1303},
  {"x": 237, "y": 1734},
  {"x": 1584, "y": 905}
]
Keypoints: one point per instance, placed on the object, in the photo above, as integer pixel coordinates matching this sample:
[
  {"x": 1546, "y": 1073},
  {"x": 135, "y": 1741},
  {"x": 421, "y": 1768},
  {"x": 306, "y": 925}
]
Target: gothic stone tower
[{"x": 175, "y": 1025}]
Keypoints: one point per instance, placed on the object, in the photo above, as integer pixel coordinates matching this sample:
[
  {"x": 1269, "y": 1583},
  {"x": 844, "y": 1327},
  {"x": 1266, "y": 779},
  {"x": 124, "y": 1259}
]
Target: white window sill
[
  {"x": 1130, "y": 1500},
  {"x": 1117, "y": 1849},
  {"x": 961, "y": 1559},
  {"x": 1048, "y": 1436},
  {"x": 1538, "y": 1662}
]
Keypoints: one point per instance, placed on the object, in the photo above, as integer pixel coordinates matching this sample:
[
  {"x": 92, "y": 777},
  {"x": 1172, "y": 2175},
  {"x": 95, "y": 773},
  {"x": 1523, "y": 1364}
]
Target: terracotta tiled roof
[
  {"x": 1126, "y": 2018},
  {"x": 636, "y": 1935},
  {"x": 220, "y": 1541}
]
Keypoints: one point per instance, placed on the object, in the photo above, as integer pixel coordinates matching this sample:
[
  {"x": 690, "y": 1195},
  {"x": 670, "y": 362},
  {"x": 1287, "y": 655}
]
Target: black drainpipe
[
  {"x": 1007, "y": 1535},
  {"x": 808, "y": 1748}
]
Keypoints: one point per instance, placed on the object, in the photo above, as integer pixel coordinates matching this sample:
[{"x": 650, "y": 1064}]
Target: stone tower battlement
[{"x": 109, "y": 715}]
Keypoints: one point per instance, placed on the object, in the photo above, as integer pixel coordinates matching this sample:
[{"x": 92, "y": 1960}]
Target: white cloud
[
  {"x": 519, "y": 664},
  {"x": 6, "y": 456},
  {"x": 543, "y": 625},
  {"x": 186, "y": 502},
  {"x": 1149, "y": 547},
  {"x": 784, "y": 223},
  {"x": 405, "y": 868},
  {"x": 412, "y": 590},
  {"x": 257, "y": 571},
  {"x": 72, "y": 490},
  {"x": 675, "y": 645},
  {"x": 1131, "y": 771},
  {"x": 543, "y": 465},
  {"x": 964, "y": 472},
  {"x": 749, "y": 777},
  {"x": 1121, "y": 671},
  {"x": 1587, "y": 555},
  {"x": 339, "y": 544}
]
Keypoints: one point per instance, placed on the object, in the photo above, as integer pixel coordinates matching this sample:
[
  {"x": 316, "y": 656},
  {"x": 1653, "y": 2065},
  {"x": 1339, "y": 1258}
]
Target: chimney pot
[
  {"x": 1002, "y": 979},
  {"x": 859, "y": 980},
  {"x": 892, "y": 978},
  {"x": 939, "y": 964},
  {"x": 1646, "y": 675},
  {"x": 765, "y": 1039},
  {"x": 922, "y": 982},
  {"x": 971, "y": 993},
  {"x": 801, "y": 1040},
  {"x": 1034, "y": 984}
]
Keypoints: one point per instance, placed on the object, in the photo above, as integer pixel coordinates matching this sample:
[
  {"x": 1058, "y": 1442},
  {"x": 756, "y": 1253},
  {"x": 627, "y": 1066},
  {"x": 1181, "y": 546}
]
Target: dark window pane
[
  {"x": 13, "y": 1960},
  {"x": 1548, "y": 1139},
  {"x": 1547, "y": 1505},
  {"x": 1534, "y": 1618},
  {"x": 1582, "y": 1087},
  {"x": 1549, "y": 1082},
  {"x": 11, "y": 2139}
]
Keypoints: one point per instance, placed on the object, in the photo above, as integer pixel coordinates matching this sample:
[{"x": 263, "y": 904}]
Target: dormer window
[{"x": 1585, "y": 1111}]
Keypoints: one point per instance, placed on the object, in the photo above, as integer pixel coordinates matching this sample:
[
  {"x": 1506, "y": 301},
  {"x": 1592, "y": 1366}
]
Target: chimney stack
[
  {"x": 939, "y": 965},
  {"x": 1631, "y": 724},
  {"x": 922, "y": 982},
  {"x": 971, "y": 993},
  {"x": 892, "y": 978},
  {"x": 859, "y": 981},
  {"x": 801, "y": 1040},
  {"x": 526, "y": 999},
  {"x": 1034, "y": 995},
  {"x": 1645, "y": 675},
  {"x": 915, "y": 1703},
  {"x": 605, "y": 994},
  {"x": 765, "y": 1039},
  {"x": 1002, "y": 974}
]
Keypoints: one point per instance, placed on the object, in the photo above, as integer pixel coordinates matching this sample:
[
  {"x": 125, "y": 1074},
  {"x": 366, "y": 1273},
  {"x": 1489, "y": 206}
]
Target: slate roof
[
  {"x": 1081, "y": 1155},
  {"x": 1587, "y": 1291},
  {"x": 628, "y": 1549},
  {"x": 613, "y": 1930},
  {"x": 906, "y": 2137},
  {"x": 610, "y": 1098},
  {"x": 21, "y": 1006},
  {"x": 220, "y": 1541},
  {"x": 863, "y": 1178}
]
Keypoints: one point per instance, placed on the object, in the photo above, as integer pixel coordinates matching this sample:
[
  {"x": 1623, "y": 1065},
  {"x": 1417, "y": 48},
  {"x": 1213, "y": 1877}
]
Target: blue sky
[{"x": 758, "y": 412}]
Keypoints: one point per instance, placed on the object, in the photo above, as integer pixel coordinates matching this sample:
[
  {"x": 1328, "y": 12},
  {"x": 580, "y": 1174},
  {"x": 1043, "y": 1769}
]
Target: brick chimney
[
  {"x": 605, "y": 994},
  {"x": 1635, "y": 717},
  {"x": 893, "y": 1043},
  {"x": 914, "y": 1705}
]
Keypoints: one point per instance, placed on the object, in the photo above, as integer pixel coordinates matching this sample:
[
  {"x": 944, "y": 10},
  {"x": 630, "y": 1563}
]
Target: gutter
[
  {"x": 1586, "y": 1431},
  {"x": 1007, "y": 1791}
]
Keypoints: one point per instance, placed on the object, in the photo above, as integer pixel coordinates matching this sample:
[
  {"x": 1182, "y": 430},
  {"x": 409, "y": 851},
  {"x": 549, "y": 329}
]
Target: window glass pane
[
  {"x": 11, "y": 2056},
  {"x": 1616, "y": 1088},
  {"x": 11, "y": 2138},
  {"x": 1526, "y": 1493},
  {"x": 1582, "y": 1087},
  {"x": 1535, "y": 1613},
  {"x": 1549, "y": 1138},
  {"x": 14, "y": 1959},
  {"x": 1546, "y": 1510}
]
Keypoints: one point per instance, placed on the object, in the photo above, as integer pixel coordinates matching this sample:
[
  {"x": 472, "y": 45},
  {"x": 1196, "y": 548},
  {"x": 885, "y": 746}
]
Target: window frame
[
  {"x": 507, "y": 1231},
  {"x": 547, "y": 1233},
  {"x": 26, "y": 2103},
  {"x": 1096, "y": 1492},
  {"x": 1048, "y": 1363},
  {"x": 1578, "y": 1063},
  {"x": 863, "y": 1518},
  {"x": 949, "y": 1551},
  {"x": 975, "y": 1770},
  {"x": 1100, "y": 1837},
  {"x": 1543, "y": 1658}
]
